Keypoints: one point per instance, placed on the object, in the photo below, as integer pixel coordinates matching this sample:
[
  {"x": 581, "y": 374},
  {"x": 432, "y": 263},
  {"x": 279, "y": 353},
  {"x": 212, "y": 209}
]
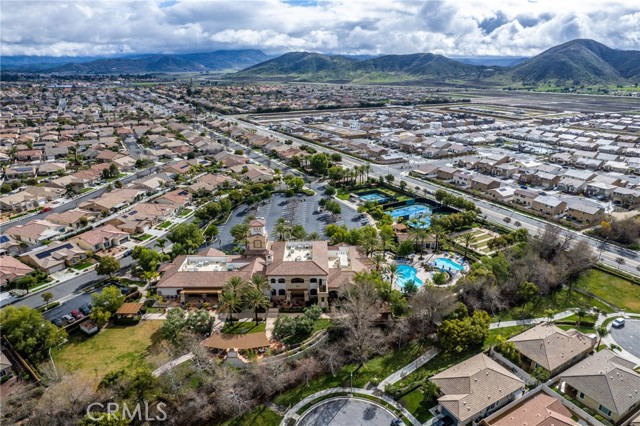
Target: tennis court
[
  {"x": 411, "y": 212},
  {"x": 374, "y": 196}
]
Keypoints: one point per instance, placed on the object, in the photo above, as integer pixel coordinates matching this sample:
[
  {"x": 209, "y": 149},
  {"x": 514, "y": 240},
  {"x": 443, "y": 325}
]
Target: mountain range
[
  {"x": 576, "y": 62},
  {"x": 138, "y": 64},
  {"x": 580, "y": 61}
]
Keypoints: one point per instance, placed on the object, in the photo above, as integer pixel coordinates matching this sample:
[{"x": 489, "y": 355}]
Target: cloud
[{"x": 454, "y": 28}]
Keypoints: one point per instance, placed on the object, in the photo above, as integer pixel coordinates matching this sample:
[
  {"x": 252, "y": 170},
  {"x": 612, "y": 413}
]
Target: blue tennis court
[
  {"x": 374, "y": 196},
  {"x": 410, "y": 212}
]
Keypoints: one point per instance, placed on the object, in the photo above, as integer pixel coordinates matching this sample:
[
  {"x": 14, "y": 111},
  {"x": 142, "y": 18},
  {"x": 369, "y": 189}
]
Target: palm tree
[
  {"x": 418, "y": 236},
  {"x": 161, "y": 243},
  {"x": 410, "y": 288},
  {"x": 378, "y": 260},
  {"x": 230, "y": 302},
  {"x": 581, "y": 313},
  {"x": 235, "y": 285},
  {"x": 282, "y": 228},
  {"x": 367, "y": 169},
  {"x": 439, "y": 235},
  {"x": 467, "y": 238},
  {"x": 255, "y": 299},
  {"x": 259, "y": 282},
  {"x": 313, "y": 236},
  {"x": 392, "y": 270}
]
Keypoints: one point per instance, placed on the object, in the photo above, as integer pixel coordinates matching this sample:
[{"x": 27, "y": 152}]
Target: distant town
[{"x": 295, "y": 253}]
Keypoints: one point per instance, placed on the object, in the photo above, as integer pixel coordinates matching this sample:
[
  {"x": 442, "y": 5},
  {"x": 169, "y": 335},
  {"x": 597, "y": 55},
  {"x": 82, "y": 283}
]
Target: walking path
[
  {"x": 408, "y": 369},
  {"x": 292, "y": 413},
  {"x": 171, "y": 364},
  {"x": 529, "y": 321}
]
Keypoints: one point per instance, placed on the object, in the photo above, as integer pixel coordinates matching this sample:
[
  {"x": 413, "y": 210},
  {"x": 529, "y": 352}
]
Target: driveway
[
  {"x": 628, "y": 337},
  {"x": 346, "y": 412}
]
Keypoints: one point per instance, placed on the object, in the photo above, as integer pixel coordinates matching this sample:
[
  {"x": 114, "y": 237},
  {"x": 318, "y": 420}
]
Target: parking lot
[
  {"x": 300, "y": 210},
  {"x": 628, "y": 337},
  {"x": 346, "y": 412}
]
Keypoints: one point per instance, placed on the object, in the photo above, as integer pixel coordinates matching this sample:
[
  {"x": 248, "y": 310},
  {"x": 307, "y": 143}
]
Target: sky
[{"x": 449, "y": 27}]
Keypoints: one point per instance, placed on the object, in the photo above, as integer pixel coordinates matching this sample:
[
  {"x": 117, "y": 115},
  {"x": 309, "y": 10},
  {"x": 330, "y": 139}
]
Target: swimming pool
[
  {"x": 446, "y": 264},
  {"x": 405, "y": 274},
  {"x": 410, "y": 212}
]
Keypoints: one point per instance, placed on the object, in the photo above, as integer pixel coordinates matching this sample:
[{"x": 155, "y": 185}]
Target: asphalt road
[
  {"x": 608, "y": 253},
  {"x": 346, "y": 412},
  {"x": 628, "y": 337}
]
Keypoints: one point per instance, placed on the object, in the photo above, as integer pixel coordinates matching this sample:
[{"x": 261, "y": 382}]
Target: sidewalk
[
  {"x": 408, "y": 369},
  {"x": 173, "y": 363},
  {"x": 530, "y": 321}
]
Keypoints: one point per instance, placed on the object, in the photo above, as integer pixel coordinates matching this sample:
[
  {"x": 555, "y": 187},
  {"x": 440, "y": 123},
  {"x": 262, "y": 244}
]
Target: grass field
[
  {"x": 111, "y": 349},
  {"x": 617, "y": 291},
  {"x": 259, "y": 416}
]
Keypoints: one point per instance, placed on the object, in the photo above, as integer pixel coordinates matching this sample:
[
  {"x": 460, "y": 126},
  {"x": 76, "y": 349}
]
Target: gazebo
[{"x": 129, "y": 310}]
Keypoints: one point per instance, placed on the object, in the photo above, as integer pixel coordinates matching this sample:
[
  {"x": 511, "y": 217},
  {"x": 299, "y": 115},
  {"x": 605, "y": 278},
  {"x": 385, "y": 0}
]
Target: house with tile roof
[
  {"x": 538, "y": 409},
  {"x": 606, "y": 383},
  {"x": 475, "y": 388},
  {"x": 297, "y": 271},
  {"x": 11, "y": 269},
  {"x": 552, "y": 348}
]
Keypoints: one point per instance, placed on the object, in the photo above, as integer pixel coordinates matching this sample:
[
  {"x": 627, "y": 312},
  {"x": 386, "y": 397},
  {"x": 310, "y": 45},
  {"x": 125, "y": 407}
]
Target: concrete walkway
[
  {"x": 530, "y": 321},
  {"x": 171, "y": 364},
  {"x": 272, "y": 316},
  {"x": 408, "y": 369},
  {"x": 292, "y": 413}
]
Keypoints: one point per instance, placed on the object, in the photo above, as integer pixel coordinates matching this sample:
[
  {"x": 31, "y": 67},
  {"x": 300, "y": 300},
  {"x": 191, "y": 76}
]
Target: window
[
  {"x": 313, "y": 280},
  {"x": 604, "y": 410},
  {"x": 581, "y": 395},
  {"x": 273, "y": 291},
  {"x": 280, "y": 280},
  {"x": 273, "y": 280},
  {"x": 282, "y": 292},
  {"x": 313, "y": 292},
  {"x": 297, "y": 280}
]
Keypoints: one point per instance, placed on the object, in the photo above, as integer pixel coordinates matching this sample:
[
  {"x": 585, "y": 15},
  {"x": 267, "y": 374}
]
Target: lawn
[
  {"x": 375, "y": 370},
  {"x": 321, "y": 324},
  {"x": 111, "y": 349},
  {"x": 415, "y": 403},
  {"x": 142, "y": 237},
  {"x": 83, "y": 265},
  {"x": 259, "y": 416},
  {"x": 243, "y": 327},
  {"x": 617, "y": 291},
  {"x": 557, "y": 301},
  {"x": 165, "y": 224}
]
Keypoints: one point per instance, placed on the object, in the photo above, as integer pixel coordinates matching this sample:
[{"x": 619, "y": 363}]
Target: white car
[{"x": 618, "y": 323}]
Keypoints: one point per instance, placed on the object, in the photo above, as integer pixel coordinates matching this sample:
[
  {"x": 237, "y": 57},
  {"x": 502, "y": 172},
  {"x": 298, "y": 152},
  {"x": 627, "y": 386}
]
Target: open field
[
  {"x": 113, "y": 348},
  {"x": 617, "y": 291}
]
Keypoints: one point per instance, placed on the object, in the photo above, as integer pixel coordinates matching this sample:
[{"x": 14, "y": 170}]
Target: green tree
[
  {"x": 46, "y": 296},
  {"x": 109, "y": 299},
  {"x": 230, "y": 303},
  {"x": 174, "y": 324},
  {"x": 540, "y": 374},
  {"x": 319, "y": 163},
  {"x": 239, "y": 232},
  {"x": 405, "y": 249},
  {"x": 528, "y": 291},
  {"x": 148, "y": 259},
  {"x": 28, "y": 332},
  {"x": 392, "y": 270},
  {"x": 186, "y": 238},
  {"x": 461, "y": 335},
  {"x": 410, "y": 288},
  {"x": 386, "y": 237},
  {"x": 507, "y": 349},
  {"x": 200, "y": 322},
  {"x": 108, "y": 265},
  {"x": 100, "y": 316},
  {"x": 439, "y": 278}
]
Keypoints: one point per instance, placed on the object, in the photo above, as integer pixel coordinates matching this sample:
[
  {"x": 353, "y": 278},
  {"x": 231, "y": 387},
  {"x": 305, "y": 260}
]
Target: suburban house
[
  {"x": 101, "y": 238},
  {"x": 177, "y": 197},
  {"x": 297, "y": 271},
  {"x": 11, "y": 269},
  {"x": 73, "y": 219},
  {"x": 446, "y": 173},
  {"x": 113, "y": 201},
  {"x": 484, "y": 183},
  {"x": 5, "y": 367},
  {"x": 35, "y": 232},
  {"x": 552, "y": 348},
  {"x": 475, "y": 388},
  {"x": 55, "y": 257},
  {"x": 538, "y": 409},
  {"x": 142, "y": 217},
  {"x": 606, "y": 383},
  {"x": 626, "y": 197},
  {"x": 524, "y": 197},
  {"x": 504, "y": 194},
  {"x": 548, "y": 205},
  {"x": 584, "y": 211}
]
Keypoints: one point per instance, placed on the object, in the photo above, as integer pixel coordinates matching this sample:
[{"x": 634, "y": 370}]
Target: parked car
[
  {"x": 86, "y": 308},
  {"x": 77, "y": 314},
  {"x": 58, "y": 322},
  {"x": 46, "y": 209},
  {"x": 618, "y": 323},
  {"x": 397, "y": 422},
  {"x": 68, "y": 318}
]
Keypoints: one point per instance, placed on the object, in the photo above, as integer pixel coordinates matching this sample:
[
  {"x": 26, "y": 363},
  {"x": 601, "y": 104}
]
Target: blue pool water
[
  {"x": 374, "y": 196},
  {"x": 446, "y": 264},
  {"x": 405, "y": 274}
]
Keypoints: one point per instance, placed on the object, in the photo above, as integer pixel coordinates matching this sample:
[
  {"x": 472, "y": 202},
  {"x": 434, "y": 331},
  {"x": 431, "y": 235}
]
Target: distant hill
[
  {"x": 583, "y": 61},
  {"x": 492, "y": 61},
  {"x": 138, "y": 64}
]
